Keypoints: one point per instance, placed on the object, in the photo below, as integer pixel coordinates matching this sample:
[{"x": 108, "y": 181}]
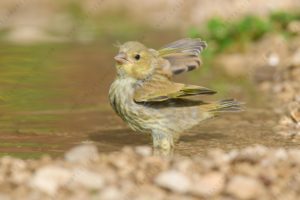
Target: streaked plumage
[
  {"x": 183, "y": 55},
  {"x": 146, "y": 98}
]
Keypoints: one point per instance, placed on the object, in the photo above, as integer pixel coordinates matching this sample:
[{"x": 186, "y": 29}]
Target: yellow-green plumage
[{"x": 145, "y": 97}]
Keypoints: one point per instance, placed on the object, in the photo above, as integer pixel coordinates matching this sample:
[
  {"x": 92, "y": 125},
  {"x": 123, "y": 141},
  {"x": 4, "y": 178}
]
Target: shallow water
[{"x": 55, "y": 96}]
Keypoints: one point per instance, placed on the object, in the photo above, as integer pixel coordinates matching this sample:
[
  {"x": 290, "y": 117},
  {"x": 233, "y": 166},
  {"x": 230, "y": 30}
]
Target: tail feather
[{"x": 227, "y": 105}]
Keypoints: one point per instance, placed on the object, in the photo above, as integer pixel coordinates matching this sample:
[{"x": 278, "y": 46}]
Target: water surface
[{"x": 55, "y": 96}]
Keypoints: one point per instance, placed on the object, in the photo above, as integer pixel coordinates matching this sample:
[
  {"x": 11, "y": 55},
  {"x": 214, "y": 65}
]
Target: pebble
[
  {"x": 143, "y": 151},
  {"x": 273, "y": 59},
  {"x": 49, "y": 179},
  {"x": 294, "y": 156},
  {"x": 82, "y": 154},
  {"x": 295, "y": 114},
  {"x": 209, "y": 185},
  {"x": 20, "y": 177},
  {"x": 296, "y": 58},
  {"x": 111, "y": 193},
  {"x": 88, "y": 179},
  {"x": 280, "y": 154},
  {"x": 285, "y": 121},
  {"x": 252, "y": 154},
  {"x": 284, "y": 83},
  {"x": 244, "y": 188},
  {"x": 174, "y": 181},
  {"x": 239, "y": 176}
]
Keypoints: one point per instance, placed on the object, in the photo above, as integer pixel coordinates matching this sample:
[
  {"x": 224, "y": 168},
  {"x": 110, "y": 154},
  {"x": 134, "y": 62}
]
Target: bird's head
[{"x": 135, "y": 60}]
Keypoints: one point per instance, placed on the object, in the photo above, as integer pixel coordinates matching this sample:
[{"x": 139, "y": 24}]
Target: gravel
[
  {"x": 253, "y": 173},
  {"x": 274, "y": 64},
  {"x": 284, "y": 87}
]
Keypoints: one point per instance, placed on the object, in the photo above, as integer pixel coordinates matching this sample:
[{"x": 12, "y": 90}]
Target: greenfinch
[{"x": 145, "y": 97}]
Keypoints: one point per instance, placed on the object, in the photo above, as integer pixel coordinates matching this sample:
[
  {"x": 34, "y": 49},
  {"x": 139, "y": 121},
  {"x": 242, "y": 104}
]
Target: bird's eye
[{"x": 137, "y": 56}]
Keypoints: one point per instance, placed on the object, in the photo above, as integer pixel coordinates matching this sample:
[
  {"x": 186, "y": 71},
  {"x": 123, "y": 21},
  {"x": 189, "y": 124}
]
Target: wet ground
[{"x": 55, "y": 96}]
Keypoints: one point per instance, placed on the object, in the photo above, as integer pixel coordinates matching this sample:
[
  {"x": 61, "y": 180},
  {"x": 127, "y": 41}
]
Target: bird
[{"x": 144, "y": 95}]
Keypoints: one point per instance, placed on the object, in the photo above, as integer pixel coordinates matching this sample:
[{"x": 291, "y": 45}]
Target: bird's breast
[
  {"x": 121, "y": 94},
  {"x": 121, "y": 98}
]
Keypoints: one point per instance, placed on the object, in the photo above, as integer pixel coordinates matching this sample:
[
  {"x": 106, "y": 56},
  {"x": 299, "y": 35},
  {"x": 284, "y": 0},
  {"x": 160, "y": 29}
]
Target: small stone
[
  {"x": 294, "y": 155},
  {"x": 143, "y": 150},
  {"x": 19, "y": 174},
  {"x": 20, "y": 177},
  {"x": 252, "y": 154},
  {"x": 83, "y": 153},
  {"x": 285, "y": 121},
  {"x": 243, "y": 187},
  {"x": 296, "y": 58},
  {"x": 183, "y": 165},
  {"x": 149, "y": 192},
  {"x": 18, "y": 164},
  {"x": 48, "y": 179},
  {"x": 295, "y": 114},
  {"x": 209, "y": 185},
  {"x": 111, "y": 193},
  {"x": 281, "y": 154},
  {"x": 174, "y": 181},
  {"x": 295, "y": 77},
  {"x": 273, "y": 59},
  {"x": 294, "y": 27},
  {"x": 88, "y": 179},
  {"x": 284, "y": 133}
]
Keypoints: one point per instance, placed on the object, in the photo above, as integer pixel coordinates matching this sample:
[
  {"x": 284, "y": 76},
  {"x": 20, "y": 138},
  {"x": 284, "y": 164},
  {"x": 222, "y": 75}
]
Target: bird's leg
[{"x": 162, "y": 143}]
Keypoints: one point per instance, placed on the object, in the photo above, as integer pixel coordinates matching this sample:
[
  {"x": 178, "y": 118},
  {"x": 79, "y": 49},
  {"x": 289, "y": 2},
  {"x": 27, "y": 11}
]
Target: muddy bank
[{"x": 83, "y": 173}]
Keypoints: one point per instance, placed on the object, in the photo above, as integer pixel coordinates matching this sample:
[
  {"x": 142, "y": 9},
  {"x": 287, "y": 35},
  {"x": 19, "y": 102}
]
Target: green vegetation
[
  {"x": 224, "y": 35},
  {"x": 282, "y": 19}
]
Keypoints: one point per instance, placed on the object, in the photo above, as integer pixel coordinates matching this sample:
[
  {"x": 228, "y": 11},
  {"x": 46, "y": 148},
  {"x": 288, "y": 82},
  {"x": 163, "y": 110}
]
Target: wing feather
[
  {"x": 161, "y": 90},
  {"x": 183, "y": 54}
]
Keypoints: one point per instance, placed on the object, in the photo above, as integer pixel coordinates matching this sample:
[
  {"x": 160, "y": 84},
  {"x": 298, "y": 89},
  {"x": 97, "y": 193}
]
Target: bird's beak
[{"x": 121, "y": 58}]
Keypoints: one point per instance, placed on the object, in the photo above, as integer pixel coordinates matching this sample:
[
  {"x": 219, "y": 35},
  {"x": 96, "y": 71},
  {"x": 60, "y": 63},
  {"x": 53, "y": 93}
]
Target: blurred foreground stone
[{"x": 251, "y": 173}]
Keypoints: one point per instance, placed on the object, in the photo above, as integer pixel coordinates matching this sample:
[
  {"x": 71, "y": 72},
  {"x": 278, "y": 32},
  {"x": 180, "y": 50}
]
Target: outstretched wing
[
  {"x": 162, "y": 89},
  {"x": 183, "y": 54}
]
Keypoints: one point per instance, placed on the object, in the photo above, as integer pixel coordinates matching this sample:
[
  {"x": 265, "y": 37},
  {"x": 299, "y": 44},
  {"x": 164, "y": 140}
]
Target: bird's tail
[{"x": 227, "y": 105}]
